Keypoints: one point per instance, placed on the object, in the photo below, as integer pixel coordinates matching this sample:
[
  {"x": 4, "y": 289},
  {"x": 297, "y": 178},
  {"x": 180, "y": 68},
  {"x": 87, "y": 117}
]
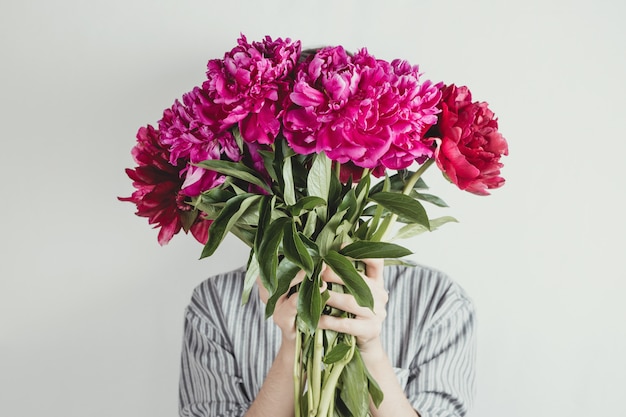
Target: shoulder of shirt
[
  {"x": 215, "y": 291},
  {"x": 430, "y": 290},
  {"x": 228, "y": 278}
]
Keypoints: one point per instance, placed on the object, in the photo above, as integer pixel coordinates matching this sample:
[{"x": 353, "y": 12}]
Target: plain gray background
[{"x": 90, "y": 305}]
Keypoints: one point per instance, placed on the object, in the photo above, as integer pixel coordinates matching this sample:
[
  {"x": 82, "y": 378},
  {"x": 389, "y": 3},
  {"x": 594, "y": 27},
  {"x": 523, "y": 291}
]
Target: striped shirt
[{"x": 428, "y": 335}]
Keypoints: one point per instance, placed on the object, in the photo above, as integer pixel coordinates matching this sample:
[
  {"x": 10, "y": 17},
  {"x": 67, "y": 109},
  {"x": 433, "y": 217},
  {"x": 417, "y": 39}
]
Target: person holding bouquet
[{"x": 282, "y": 147}]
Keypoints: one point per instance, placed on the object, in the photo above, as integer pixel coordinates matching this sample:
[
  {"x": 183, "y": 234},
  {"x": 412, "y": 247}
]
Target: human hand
[
  {"x": 365, "y": 324},
  {"x": 285, "y": 309}
]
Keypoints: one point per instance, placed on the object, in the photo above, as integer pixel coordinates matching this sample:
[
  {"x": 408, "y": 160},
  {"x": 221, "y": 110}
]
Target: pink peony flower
[
  {"x": 360, "y": 109},
  {"x": 470, "y": 145},
  {"x": 249, "y": 87},
  {"x": 158, "y": 189}
]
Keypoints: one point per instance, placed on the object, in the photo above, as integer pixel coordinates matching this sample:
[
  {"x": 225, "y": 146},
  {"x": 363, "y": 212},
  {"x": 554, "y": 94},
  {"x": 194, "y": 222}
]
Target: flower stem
[
  {"x": 416, "y": 176},
  {"x": 328, "y": 392},
  {"x": 316, "y": 377},
  {"x": 297, "y": 372},
  {"x": 309, "y": 396}
]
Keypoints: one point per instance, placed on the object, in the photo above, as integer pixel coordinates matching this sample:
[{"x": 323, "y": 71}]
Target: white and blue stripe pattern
[{"x": 428, "y": 335}]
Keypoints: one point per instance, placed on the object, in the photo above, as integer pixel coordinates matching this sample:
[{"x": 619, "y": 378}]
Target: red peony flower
[
  {"x": 359, "y": 109},
  {"x": 470, "y": 145},
  {"x": 158, "y": 193},
  {"x": 249, "y": 87},
  {"x": 350, "y": 172}
]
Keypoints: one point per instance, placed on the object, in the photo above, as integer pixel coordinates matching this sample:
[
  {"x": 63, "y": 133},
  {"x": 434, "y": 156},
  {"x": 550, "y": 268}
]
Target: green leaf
[
  {"x": 285, "y": 273},
  {"x": 362, "y": 230},
  {"x": 311, "y": 247},
  {"x": 402, "y": 205},
  {"x": 337, "y": 353},
  {"x": 372, "y": 210},
  {"x": 413, "y": 229},
  {"x": 288, "y": 190},
  {"x": 211, "y": 202},
  {"x": 367, "y": 250},
  {"x": 286, "y": 150},
  {"x": 187, "y": 218},
  {"x": 352, "y": 280},
  {"x": 268, "y": 163},
  {"x": 363, "y": 186},
  {"x": 278, "y": 162},
  {"x": 343, "y": 234},
  {"x": 252, "y": 272},
  {"x": 353, "y": 394},
  {"x": 433, "y": 199},
  {"x": 420, "y": 185},
  {"x": 440, "y": 221},
  {"x": 330, "y": 337},
  {"x": 232, "y": 211},
  {"x": 335, "y": 193},
  {"x": 310, "y": 302},
  {"x": 318, "y": 181},
  {"x": 306, "y": 204},
  {"x": 300, "y": 165},
  {"x": 230, "y": 183},
  {"x": 376, "y": 211},
  {"x": 376, "y": 394},
  {"x": 215, "y": 195},
  {"x": 235, "y": 169},
  {"x": 265, "y": 215},
  {"x": 294, "y": 248},
  {"x": 250, "y": 217},
  {"x": 397, "y": 182},
  {"x": 362, "y": 192},
  {"x": 243, "y": 233},
  {"x": 326, "y": 237},
  {"x": 350, "y": 204},
  {"x": 409, "y": 230},
  {"x": 311, "y": 224},
  {"x": 268, "y": 252},
  {"x": 340, "y": 409},
  {"x": 238, "y": 138}
]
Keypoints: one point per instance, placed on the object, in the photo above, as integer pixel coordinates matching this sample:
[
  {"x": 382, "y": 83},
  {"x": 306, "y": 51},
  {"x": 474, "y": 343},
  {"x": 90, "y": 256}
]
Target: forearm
[
  {"x": 395, "y": 403},
  {"x": 275, "y": 399}
]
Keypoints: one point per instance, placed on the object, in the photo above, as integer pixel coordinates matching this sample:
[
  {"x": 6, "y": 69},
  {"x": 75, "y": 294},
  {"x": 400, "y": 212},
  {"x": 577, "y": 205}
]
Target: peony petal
[
  {"x": 306, "y": 96},
  {"x": 461, "y": 165},
  {"x": 168, "y": 230},
  {"x": 200, "y": 230}
]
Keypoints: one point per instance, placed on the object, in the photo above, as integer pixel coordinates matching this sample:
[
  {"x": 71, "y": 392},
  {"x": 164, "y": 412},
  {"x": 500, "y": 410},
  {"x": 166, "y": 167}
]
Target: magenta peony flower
[
  {"x": 158, "y": 189},
  {"x": 360, "y": 109},
  {"x": 326, "y": 116},
  {"x": 249, "y": 87},
  {"x": 417, "y": 104},
  {"x": 470, "y": 145},
  {"x": 190, "y": 139}
]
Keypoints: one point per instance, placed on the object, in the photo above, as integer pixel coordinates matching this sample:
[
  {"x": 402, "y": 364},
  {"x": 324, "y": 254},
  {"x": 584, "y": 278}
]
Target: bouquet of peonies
[{"x": 280, "y": 147}]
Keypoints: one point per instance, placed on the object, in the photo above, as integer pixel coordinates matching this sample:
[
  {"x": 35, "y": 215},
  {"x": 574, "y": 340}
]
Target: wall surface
[{"x": 90, "y": 305}]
